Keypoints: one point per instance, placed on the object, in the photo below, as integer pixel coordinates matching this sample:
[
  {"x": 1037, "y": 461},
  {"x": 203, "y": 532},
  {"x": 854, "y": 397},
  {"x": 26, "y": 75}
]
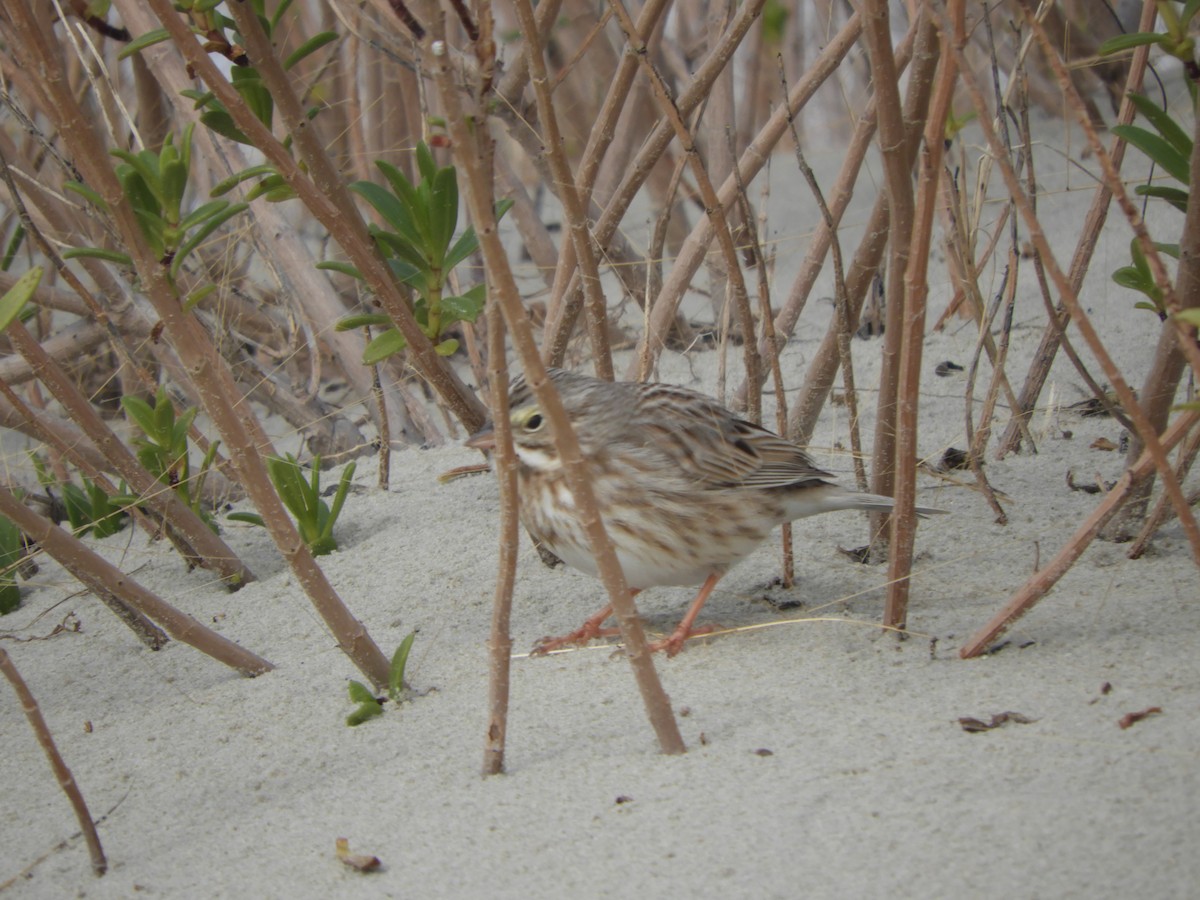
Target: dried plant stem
[
  {"x": 1180, "y": 333},
  {"x": 714, "y": 206},
  {"x": 323, "y": 193},
  {"x": 649, "y": 154},
  {"x": 285, "y": 253},
  {"x": 977, "y": 440},
  {"x": 912, "y": 322},
  {"x": 65, "y": 779},
  {"x": 751, "y": 161},
  {"x": 1045, "y": 578},
  {"x": 384, "y": 478},
  {"x": 788, "y": 566},
  {"x": 1054, "y": 334},
  {"x": 504, "y": 462},
  {"x": 842, "y": 303},
  {"x": 237, "y": 424},
  {"x": 823, "y": 369},
  {"x": 877, "y": 36},
  {"x": 599, "y": 140},
  {"x": 473, "y": 153},
  {"x": 1162, "y": 509},
  {"x": 573, "y": 206},
  {"x": 104, "y": 579}
]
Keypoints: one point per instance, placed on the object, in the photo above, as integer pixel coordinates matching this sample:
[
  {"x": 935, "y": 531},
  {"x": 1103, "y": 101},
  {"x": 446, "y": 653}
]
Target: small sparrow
[{"x": 685, "y": 488}]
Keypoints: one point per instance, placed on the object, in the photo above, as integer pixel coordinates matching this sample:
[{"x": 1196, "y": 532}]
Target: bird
[{"x": 686, "y": 488}]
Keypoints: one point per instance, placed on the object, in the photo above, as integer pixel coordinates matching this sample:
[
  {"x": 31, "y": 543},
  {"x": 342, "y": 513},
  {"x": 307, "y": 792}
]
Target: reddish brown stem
[{"x": 65, "y": 779}]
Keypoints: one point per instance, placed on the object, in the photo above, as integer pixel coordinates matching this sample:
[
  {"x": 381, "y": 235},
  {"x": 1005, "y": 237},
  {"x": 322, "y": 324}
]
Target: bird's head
[{"x": 585, "y": 400}]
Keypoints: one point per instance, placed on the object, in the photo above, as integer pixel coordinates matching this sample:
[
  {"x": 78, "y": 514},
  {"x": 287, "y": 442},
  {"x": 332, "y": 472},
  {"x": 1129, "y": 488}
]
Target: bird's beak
[{"x": 484, "y": 439}]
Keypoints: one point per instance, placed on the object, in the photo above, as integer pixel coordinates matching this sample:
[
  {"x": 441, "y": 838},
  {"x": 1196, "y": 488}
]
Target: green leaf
[
  {"x": 1129, "y": 277},
  {"x": 145, "y": 164},
  {"x": 1130, "y": 41},
  {"x": 464, "y": 308},
  {"x": 414, "y": 265},
  {"x": 274, "y": 188},
  {"x": 344, "y": 268},
  {"x": 1189, "y": 12},
  {"x": 312, "y": 45},
  {"x": 394, "y": 211},
  {"x": 141, "y": 42},
  {"x": 339, "y": 498},
  {"x": 191, "y": 300},
  {"x": 1159, "y": 150},
  {"x": 220, "y": 121},
  {"x": 113, "y": 256},
  {"x": 87, "y": 193},
  {"x": 1163, "y": 124},
  {"x": 18, "y": 295},
  {"x": 248, "y": 83},
  {"x": 364, "y": 713},
  {"x": 202, "y": 212},
  {"x": 141, "y": 413},
  {"x": 361, "y": 321},
  {"x": 204, "y": 231},
  {"x": 448, "y": 347},
  {"x": 224, "y": 187},
  {"x": 410, "y": 196},
  {"x": 382, "y": 346},
  {"x": 443, "y": 213},
  {"x": 360, "y": 693},
  {"x": 466, "y": 244},
  {"x": 248, "y": 517},
  {"x": 396, "y": 682},
  {"x": 426, "y": 164},
  {"x": 368, "y": 706},
  {"x": 1176, "y": 197}
]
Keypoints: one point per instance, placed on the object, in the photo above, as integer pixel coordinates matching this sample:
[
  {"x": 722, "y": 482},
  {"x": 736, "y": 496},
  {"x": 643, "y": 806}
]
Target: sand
[{"x": 825, "y": 757}]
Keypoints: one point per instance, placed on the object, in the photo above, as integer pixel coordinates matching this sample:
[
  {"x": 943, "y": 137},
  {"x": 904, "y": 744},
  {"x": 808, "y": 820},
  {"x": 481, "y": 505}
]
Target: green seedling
[
  {"x": 370, "y": 706},
  {"x": 421, "y": 251},
  {"x": 396, "y": 683},
  {"x": 314, "y": 517},
  {"x": 163, "y": 450},
  {"x": 12, "y": 551},
  {"x": 155, "y": 185},
  {"x": 88, "y": 509}
]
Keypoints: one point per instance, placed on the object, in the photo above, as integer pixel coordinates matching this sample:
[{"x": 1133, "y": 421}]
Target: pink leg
[
  {"x": 684, "y": 630},
  {"x": 590, "y": 630}
]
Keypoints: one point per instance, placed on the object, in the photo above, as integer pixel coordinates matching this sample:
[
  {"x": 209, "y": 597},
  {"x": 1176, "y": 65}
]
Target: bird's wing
[{"x": 701, "y": 444}]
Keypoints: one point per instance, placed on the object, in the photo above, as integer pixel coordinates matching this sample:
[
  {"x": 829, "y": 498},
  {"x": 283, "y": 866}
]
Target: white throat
[{"x": 537, "y": 460}]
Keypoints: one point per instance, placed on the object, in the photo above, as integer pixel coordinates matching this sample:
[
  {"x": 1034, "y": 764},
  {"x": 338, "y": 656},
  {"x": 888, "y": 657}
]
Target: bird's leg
[
  {"x": 588, "y": 631},
  {"x": 684, "y": 630}
]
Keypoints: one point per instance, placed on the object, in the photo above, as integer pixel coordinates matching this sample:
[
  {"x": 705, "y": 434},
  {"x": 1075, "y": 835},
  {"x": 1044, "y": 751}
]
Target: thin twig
[
  {"x": 1040, "y": 583},
  {"x": 65, "y": 779},
  {"x": 569, "y": 195}
]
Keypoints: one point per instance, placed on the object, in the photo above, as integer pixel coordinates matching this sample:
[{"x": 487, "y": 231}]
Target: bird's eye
[{"x": 534, "y": 422}]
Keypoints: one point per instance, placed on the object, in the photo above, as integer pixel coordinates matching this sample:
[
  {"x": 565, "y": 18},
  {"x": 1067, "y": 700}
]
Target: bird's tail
[{"x": 831, "y": 498}]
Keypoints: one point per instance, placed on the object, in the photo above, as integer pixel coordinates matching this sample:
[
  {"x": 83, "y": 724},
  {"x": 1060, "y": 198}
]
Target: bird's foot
[
  {"x": 674, "y": 643},
  {"x": 589, "y": 631}
]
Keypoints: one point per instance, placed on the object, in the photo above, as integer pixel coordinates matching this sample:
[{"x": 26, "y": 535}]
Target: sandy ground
[{"x": 826, "y": 758}]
